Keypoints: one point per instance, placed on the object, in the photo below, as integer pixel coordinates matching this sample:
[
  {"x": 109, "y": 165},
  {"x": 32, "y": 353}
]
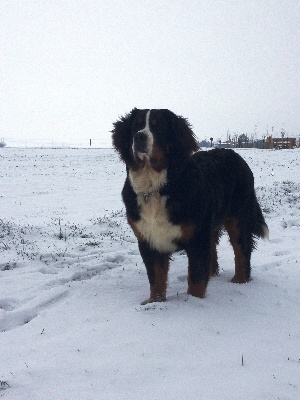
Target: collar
[{"x": 146, "y": 195}]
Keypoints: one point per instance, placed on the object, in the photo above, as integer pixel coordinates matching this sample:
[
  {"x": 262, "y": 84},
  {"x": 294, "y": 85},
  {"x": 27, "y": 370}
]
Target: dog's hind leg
[{"x": 242, "y": 243}]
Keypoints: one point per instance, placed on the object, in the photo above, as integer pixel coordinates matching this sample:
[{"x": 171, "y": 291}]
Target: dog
[{"x": 178, "y": 197}]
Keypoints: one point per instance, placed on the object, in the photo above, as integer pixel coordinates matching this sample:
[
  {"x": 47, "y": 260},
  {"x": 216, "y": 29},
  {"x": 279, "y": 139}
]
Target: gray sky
[{"x": 69, "y": 68}]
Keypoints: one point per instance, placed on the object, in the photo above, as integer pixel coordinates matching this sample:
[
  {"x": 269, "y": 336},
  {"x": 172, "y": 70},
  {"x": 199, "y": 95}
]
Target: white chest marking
[{"x": 154, "y": 225}]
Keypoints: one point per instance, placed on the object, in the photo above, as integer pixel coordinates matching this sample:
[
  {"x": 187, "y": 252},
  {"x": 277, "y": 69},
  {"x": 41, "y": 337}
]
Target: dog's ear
[
  {"x": 121, "y": 135},
  {"x": 183, "y": 138}
]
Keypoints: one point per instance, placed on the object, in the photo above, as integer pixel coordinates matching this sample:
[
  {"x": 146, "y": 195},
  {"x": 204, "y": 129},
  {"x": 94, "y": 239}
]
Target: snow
[{"x": 71, "y": 323}]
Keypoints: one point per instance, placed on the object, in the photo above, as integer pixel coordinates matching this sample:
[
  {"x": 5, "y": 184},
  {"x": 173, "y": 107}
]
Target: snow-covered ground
[{"x": 71, "y": 282}]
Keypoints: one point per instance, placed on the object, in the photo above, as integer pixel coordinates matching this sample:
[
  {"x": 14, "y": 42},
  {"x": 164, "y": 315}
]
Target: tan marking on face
[{"x": 157, "y": 158}]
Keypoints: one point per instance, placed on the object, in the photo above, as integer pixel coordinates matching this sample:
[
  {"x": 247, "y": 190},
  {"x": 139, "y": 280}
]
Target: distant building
[
  {"x": 224, "y": 145},
  {"x": 281, "y": 143}
]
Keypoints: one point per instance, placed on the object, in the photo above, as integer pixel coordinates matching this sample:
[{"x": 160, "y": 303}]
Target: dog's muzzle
[{"x": 140, "y": 142}]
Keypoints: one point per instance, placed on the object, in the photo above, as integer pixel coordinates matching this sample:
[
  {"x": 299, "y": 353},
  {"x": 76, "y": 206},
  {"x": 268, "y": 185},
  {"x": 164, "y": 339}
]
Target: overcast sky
[{"x": 70, "y": 68}]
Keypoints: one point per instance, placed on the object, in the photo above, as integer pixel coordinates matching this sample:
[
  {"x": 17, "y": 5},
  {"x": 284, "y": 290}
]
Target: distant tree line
[{"x": 241, "y": 141}]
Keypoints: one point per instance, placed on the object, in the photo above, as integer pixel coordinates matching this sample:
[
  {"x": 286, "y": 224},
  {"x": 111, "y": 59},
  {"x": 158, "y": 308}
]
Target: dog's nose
[
  {"x": 140, "y": 142},
  {"x": 140, "y": 138}
]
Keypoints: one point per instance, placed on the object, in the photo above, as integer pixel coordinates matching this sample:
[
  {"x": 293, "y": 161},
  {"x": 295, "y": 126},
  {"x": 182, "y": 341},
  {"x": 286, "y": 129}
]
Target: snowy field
[{"x": 71, "y": 282}]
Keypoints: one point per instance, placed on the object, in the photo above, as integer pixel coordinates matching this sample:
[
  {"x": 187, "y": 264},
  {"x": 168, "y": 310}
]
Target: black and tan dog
[{"x": 177, "y": 197}]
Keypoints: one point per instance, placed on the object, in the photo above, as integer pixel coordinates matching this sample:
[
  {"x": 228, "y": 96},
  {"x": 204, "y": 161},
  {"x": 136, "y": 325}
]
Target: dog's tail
[{"x": 260, "y": 228}]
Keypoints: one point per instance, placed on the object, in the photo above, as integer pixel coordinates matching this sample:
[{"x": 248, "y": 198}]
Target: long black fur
[{"x": 206, "y": 190}]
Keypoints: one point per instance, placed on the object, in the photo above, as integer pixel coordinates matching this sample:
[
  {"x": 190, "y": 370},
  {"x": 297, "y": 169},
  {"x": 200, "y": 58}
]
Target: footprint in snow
[
  {"x": 16, "y": 317},
  {"x": 8, "y": 304}
]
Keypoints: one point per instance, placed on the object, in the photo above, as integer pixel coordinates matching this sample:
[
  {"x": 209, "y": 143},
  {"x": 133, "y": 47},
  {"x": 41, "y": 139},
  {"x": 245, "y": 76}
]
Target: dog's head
[{"x": 157, "y": 137}]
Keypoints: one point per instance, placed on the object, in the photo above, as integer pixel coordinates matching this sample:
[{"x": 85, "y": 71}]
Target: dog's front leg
[
  {"x": 157, "y": 265},
  {"x": 198, "y": 270}
]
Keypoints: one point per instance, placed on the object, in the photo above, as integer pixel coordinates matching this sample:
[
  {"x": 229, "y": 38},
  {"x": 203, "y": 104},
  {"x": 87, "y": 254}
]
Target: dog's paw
[
  {"x": 154, "y": 299},
  {"x": 239, "y": 279}
]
